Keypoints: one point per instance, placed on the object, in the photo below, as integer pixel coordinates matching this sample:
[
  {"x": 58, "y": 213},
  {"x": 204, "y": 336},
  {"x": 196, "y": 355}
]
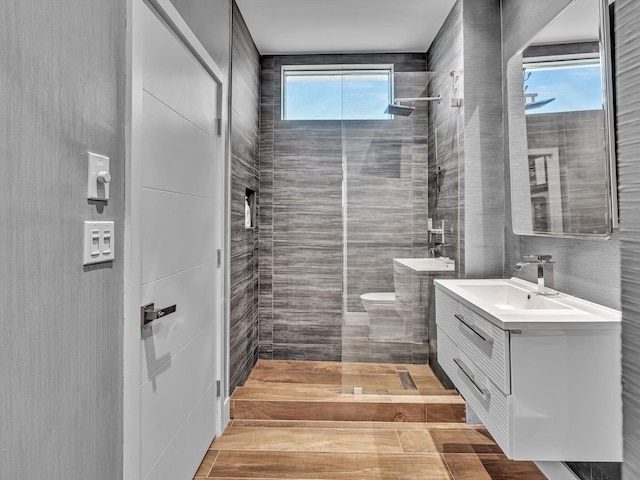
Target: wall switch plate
[
  {"x": 98, "y": 178},
  {"x": 98, "y": 242}
]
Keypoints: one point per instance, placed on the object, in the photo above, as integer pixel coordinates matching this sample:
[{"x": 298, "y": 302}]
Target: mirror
[{"x": 561, "y": 138}]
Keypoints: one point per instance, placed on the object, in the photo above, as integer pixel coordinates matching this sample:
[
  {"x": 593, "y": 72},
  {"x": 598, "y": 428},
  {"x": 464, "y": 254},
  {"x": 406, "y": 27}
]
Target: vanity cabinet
[{"x": 546, "y": 391}]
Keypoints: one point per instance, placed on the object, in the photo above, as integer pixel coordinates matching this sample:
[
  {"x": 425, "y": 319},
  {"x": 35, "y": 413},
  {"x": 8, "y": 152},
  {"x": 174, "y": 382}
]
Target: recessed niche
[{"x": 249, "y": 208}]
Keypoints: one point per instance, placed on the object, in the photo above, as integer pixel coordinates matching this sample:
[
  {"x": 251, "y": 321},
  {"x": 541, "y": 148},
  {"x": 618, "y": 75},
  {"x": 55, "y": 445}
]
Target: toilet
[{"x": 384, "y": 322}]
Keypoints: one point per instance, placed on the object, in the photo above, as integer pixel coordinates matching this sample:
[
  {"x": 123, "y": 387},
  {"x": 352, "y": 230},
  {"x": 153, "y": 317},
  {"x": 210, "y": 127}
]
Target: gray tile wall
[
  {"x": 386, "y": 205},
  {"x": 446, "y": 147},
  {"x": 483, "y": 204},
  {"x": 628, "y": 104},
  {"x": 386, "y": 192},
  {"x": 245, "y": 166},
  {"x": 300, "y": 230},
  {"x": 578, "y": 138},
  {"x": 466, "y": 143},
  {"x": 301, "y": 219},
  {"x": 446, "y": 137}
]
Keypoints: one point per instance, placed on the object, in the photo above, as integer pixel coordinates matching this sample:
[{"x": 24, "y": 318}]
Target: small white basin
[
  {"x": 439, "y": 264},
  {"x": 510, "y": 297}
]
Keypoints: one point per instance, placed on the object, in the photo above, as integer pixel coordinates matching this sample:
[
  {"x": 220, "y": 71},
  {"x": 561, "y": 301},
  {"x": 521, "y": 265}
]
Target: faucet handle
[{"x": 544, "y": 258}]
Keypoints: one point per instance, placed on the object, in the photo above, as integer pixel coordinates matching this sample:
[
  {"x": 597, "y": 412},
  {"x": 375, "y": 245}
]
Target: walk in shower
[{"x": 344, "y": 203}]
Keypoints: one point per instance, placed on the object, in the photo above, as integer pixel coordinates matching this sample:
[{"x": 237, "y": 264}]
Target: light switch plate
[
  {"x": 98, "y": 242},
  {"x": 97, "y": 185}
]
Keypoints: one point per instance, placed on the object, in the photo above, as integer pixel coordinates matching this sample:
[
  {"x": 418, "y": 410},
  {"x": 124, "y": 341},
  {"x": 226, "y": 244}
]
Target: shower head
[
  {"x": 405, "y": 111},
  {"x": 402, "y": 110}
]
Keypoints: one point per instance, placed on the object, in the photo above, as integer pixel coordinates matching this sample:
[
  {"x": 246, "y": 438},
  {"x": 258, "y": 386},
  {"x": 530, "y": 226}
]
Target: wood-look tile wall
[
  {"x": 301, "y": 217},
  {"x": 245, "y": 171},
  {"x": 62, "y": 93}
]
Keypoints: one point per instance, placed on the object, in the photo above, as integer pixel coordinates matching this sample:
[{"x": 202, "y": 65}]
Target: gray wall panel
[
  {"x": 62, "y": 92},
  {"x": 628, "y": 101},
  {"x": 245, "y": 171},
  {"x": 483, "y": 139}
]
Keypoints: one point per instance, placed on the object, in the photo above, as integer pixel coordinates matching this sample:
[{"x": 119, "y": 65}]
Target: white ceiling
[
  {"x": 282, "y": 27},
  {"x": 579, "y": 22}
]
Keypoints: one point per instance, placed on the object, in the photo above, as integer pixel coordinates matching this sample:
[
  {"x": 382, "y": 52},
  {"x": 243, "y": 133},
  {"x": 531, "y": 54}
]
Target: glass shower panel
[{"x": 385, "y": 182}]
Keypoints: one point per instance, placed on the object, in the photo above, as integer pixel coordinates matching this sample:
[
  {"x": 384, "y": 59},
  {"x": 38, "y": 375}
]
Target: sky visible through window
[
  {"x": 575, "y": 88},
  {"x": 337, "y": 95}
]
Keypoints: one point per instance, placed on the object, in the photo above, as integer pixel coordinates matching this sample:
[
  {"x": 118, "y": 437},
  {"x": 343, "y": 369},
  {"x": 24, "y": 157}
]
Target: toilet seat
[{"x": 379, "y": 298}]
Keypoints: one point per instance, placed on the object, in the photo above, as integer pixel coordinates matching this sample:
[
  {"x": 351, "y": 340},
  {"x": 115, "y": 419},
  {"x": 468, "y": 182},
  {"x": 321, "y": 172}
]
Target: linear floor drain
[{"x": 407, "y": 381}]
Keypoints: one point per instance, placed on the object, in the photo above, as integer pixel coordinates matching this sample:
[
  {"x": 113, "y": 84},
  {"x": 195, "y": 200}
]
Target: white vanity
[{"x": 542, "y": 373}]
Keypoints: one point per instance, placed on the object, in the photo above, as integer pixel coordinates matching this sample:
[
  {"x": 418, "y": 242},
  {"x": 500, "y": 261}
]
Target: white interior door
[{"x": 176, "y": 223}]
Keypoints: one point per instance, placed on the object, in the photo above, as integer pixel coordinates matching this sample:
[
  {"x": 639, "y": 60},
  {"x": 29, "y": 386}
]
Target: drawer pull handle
[
  {"x": 483, "y": 391},
  {"x": 474, "y": 329}
]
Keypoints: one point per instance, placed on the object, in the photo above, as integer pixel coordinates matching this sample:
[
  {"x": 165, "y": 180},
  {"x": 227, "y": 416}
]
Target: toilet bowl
[{"x": 385, "y": 325}]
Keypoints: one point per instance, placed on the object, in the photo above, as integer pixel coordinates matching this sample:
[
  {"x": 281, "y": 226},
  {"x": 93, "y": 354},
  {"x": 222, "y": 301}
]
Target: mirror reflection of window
[{"x": 563, "y": 86}]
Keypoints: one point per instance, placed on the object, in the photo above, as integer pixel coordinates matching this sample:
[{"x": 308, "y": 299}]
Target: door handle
[{"x": 148, "y": 313}]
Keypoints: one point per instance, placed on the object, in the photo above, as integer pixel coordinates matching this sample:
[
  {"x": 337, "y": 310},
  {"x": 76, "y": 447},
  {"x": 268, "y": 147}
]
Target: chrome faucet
[{"x": 545, "y": 271}]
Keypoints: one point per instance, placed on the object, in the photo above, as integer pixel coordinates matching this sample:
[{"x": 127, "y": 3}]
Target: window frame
[{"x": 333, "y": 67}]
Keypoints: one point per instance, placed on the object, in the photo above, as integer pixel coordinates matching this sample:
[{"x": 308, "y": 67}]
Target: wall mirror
[{"x": 561, "y": 127}]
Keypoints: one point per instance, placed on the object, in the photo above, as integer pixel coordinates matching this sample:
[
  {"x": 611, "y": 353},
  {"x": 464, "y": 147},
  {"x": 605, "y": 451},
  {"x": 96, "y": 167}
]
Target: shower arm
[{"x": 419, "y": 99}]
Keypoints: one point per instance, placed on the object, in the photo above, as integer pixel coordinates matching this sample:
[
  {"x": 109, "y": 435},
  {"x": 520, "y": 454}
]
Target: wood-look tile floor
[{"x": 292, "y": 421}]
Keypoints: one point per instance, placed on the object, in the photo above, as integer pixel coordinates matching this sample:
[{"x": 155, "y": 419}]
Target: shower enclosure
[{"x": 341, "y": 197}]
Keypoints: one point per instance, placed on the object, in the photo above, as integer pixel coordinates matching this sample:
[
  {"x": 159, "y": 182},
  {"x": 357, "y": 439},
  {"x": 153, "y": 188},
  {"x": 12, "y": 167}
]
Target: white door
[{"x": 176, "y": 225}]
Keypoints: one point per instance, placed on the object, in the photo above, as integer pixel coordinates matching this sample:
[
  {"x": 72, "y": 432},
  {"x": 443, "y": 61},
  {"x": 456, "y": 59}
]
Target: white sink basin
[
  {"x": 511, "y": 297},
  {"x": 516, "y": 304},
  {"x": 440, "y": 264}
]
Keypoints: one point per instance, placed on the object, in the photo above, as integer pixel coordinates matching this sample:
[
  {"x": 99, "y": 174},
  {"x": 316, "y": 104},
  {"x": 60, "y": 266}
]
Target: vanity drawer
[
  {"x": 481, "y": 395},
  {"x": 485, "y": 345}
]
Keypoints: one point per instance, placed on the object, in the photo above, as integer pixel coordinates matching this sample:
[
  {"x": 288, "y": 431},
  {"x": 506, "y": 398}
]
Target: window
[
  {"x": 563, "y": 86},
  {"x": 336, "y": 92}
]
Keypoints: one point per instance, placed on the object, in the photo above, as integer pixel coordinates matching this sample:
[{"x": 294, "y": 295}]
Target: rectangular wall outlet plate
[{"x": 98, "y": 242}]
